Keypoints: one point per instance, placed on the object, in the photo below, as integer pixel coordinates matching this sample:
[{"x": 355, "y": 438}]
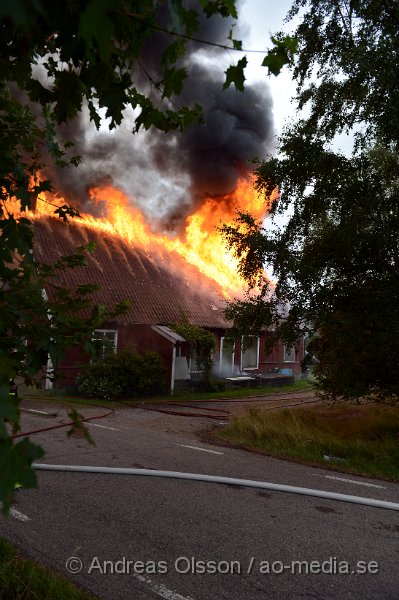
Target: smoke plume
[{"x": 169, "y": 175}]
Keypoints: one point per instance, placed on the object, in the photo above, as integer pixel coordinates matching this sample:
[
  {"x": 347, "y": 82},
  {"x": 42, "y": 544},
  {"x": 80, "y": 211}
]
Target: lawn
[
  {"x": 364, "y": 437},
  {"x": 239, "y": 392}
]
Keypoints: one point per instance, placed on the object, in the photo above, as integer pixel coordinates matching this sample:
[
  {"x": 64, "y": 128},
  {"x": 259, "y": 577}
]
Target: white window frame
[
  {"x": 192, "y": 363},
  {"x": 114, "y": 331},
  {"x": 288, "y": 354},
  {"x": 243, "y": 352},
  {"x": 233, "y": 347}
]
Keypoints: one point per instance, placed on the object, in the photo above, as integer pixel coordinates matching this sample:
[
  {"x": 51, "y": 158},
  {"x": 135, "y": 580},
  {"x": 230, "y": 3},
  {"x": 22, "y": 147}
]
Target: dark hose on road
[{"x": 69, "y": 424}]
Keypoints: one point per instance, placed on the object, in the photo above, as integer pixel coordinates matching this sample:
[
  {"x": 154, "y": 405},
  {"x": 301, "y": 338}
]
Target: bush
[
  {"x": 125, "y": 374},
  {"x": 217, "y": 385}
]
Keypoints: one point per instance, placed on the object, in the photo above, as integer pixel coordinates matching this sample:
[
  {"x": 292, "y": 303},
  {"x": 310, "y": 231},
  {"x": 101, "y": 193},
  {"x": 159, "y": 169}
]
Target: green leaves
[
  {"x": 21, "y": 12},
  {"x": 237, "y": 44},
  {"x": 65, "y": 211},
  {"x": 354, "y": 53},
  {"x": 173, "y": 81},
  {"x": 235, "y": 75},
  {"x": 15, "y": 467},
  {"x": 226, "y": 8},
  {"x": 8, "y": 404},
  {"x": 174, "y": 52},
  {"x": 116, "y": 98},
  {"x": 67, "y": 105},
  {"x": 78, "y": 426},
  {"x": 89, "y": 52},
  {"x": 38, "y": 93},
  {"x": 281, "y": 55},
  {"x": 182, "y": 18},
  {"x": 96, "y": 27}
]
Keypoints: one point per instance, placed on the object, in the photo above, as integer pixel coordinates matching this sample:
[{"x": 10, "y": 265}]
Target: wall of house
[
  {"x": 142, "y": 338},
  {"x": 274, "y": 359},
  {"x": 68, "y": 369},
  {"x": 138, "y": 337}
]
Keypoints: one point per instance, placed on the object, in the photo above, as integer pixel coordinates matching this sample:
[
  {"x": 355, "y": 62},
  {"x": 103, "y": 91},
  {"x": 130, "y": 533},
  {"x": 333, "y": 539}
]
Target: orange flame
[{"x": 200, "y": 245}]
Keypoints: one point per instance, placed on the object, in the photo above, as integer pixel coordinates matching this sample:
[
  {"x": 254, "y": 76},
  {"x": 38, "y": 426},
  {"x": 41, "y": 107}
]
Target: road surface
[{"x": 126, "y": 537}]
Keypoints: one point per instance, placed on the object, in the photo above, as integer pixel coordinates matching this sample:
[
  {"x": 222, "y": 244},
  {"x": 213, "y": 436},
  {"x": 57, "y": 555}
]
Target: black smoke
[{"x": 169, "y": 175}]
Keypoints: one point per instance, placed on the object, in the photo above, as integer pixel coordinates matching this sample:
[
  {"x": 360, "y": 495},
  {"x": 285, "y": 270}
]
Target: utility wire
[
  {"x": 55, "y": 205},
  {"x": 188, "y": 37}
]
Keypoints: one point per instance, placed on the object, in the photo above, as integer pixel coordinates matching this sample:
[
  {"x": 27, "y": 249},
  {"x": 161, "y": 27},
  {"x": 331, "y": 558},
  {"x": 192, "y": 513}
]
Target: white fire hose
[{"x": 276, "y": 487}]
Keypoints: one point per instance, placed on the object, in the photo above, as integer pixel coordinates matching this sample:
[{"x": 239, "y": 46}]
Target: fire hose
[
  {"x": 223, "y": 480},
  {"x": 222, "y": 413},
  {"x": 60, "y": 425}
]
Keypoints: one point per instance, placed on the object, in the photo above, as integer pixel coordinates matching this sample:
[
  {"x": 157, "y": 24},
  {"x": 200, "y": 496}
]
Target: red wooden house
[{"x": 162, "y": 289}]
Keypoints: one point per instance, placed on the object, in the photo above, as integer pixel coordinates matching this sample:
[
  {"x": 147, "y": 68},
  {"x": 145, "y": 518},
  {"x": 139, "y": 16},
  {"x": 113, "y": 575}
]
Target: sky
[{"x": 262, "y": 19}]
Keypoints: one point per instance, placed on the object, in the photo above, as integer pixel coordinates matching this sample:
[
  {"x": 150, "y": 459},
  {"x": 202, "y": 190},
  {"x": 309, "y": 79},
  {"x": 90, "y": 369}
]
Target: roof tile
[{"x": 161, "y": 289}]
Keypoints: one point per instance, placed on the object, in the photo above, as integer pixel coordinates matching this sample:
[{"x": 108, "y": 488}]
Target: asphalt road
[{"x": 192, "y": 540}]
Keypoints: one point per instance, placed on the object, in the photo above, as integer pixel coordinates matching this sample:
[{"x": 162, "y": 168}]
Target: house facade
[{"x": 161, "y": 290}]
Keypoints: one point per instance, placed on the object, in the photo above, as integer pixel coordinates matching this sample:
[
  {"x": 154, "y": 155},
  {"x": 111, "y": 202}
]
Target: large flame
[{"x": 200, "y": 244}]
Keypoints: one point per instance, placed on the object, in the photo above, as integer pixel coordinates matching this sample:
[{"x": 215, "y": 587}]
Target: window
[
  {"x": 195, "y": 363},
  {"x": 289, "y": 354},
  {"x": 249, "y": 352},
  {"x": 227, "y": 348},
  {"x": 105, "y": 342},
  {"x": 306, "y": 340}
]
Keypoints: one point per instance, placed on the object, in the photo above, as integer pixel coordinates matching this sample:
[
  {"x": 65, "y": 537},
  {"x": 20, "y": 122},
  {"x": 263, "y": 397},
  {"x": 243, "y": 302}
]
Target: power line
[{"x": 188, "y": 37}]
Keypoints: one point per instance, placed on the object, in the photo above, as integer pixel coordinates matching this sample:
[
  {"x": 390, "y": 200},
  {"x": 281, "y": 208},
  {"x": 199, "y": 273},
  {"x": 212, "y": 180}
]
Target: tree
[
  {"x": 55, "y": 58},
  {"x": 335, "y": 259},
  {"x": 33, "y": 327},
  {"x": 202, "y": 342}
]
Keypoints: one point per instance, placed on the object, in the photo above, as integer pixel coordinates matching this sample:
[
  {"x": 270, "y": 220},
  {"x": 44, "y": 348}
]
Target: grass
[
  {"x": 24, "y": 579},
  {"x": 365, "y": 436},
  {"x": 182, "y": 397},
  {"x": 235, "y": 393}
]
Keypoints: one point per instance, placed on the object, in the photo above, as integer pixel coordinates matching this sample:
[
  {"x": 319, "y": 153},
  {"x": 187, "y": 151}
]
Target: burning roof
[
  {"x": 198, "y": 244},
  {"x": 165, "y": 277},
  {"x": 160, "y": 286}
]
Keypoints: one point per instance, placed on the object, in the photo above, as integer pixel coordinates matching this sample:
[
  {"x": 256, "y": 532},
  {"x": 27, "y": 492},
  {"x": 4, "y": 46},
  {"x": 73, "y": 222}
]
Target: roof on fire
[{"x": 161, "y": 288}]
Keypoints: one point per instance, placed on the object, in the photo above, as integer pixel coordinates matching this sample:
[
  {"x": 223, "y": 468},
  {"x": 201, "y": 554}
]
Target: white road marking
[
  {"x": 202, "y": 449},
  {"x": 40, "y": 412},
  {"x": 161, "y": 590},
  {"x": 102, "y": 426},
  {"x": 18, "y": 515},
  {"x": 364, "y": 483}
]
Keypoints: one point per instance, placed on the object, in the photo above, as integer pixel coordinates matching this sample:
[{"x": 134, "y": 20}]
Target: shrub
[
  {"x": 203, "y": 342},
  {"x": 127, "y": 373}
]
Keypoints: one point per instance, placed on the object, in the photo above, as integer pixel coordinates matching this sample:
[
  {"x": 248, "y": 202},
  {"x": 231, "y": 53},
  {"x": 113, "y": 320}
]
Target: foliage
[
  {"x": 33, "y": 326},
  {"x": 336, "y": 259},
  {"x": 282, "y": 53},
  {"x": 123, "y": 375},
  {"x": 202, "y": 341},
  {"x": 24, "y": 579},
  {"x": 352, "y": 49}
]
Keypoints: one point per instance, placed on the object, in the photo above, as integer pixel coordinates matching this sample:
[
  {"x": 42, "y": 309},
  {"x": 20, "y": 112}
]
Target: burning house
[{"x": 165, "y": 281}]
